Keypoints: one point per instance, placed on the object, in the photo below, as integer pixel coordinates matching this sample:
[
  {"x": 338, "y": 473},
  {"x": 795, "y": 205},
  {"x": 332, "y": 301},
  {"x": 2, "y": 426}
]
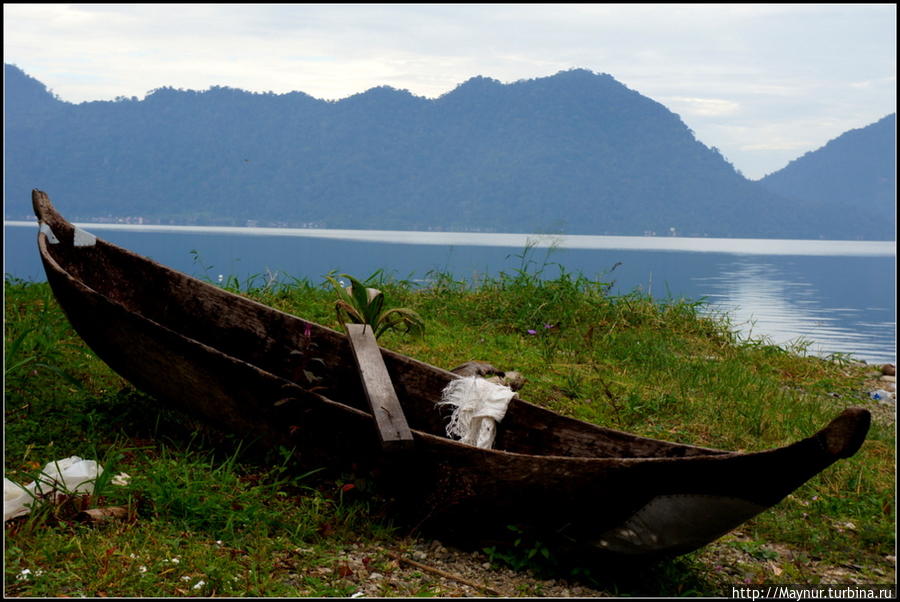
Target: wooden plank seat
[{"x": 392, "y": 427}]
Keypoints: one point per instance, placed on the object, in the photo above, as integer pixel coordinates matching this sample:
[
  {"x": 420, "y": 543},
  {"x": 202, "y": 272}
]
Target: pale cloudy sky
[{"x": 764, "y": 83}]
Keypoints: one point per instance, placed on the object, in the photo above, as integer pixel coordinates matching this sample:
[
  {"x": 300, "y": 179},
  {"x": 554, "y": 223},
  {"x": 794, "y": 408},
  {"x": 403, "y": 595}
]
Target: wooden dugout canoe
[{"x": 272, "y": 376}]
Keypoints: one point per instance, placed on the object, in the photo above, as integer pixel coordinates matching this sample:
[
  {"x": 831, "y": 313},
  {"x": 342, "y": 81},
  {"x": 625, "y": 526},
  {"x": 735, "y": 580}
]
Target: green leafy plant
[
  {"x": 526, "y": 552},
  {"x": 359, "y": 304}
]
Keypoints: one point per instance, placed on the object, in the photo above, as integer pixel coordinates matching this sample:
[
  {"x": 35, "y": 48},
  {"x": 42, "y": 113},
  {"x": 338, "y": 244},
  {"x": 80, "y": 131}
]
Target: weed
[{"x": 360, "y": 304}]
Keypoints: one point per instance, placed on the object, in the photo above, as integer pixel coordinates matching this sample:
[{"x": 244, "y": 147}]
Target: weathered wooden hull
[{"x": 286, "y": 381}]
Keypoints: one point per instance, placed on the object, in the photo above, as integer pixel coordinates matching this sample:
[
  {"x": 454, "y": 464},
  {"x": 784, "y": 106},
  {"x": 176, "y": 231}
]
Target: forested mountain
[
  {"x": 577, "y": 152},
  {"x": 856, "y": 169}
]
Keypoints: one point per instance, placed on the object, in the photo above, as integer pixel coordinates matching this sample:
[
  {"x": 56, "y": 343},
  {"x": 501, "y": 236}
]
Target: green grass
[{"x": 243, "y": 521}]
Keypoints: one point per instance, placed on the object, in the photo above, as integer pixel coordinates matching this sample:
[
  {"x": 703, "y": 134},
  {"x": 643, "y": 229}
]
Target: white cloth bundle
[{"x": 478, "y": 406}]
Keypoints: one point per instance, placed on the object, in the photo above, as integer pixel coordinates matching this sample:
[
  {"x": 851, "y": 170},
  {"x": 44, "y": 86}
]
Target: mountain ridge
[
  {"x": 859, "y": 165},
  {"x": 577, "y": 152}
]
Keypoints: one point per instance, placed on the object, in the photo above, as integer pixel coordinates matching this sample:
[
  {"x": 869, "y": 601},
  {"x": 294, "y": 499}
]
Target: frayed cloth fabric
[{"x": 478, "y": 406}]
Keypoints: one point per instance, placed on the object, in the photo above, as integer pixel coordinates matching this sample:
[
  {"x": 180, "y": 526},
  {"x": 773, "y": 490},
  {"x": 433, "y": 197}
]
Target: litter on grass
[{"x": 67, "y": 476}]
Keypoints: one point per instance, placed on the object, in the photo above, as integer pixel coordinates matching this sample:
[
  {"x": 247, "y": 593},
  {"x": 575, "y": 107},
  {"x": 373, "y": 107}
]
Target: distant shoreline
[{"x": 741, "y": 246}]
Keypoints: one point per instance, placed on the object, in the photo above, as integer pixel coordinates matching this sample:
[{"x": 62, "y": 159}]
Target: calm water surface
[{"x": 837, "y": 295}]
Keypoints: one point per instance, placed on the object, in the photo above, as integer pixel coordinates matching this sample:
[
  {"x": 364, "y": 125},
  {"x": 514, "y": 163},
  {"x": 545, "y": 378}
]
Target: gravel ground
[
  {"x": 428, "y": 566},
  {"x": 883, "y": 410},
  {"x": 420, "y": 567}
]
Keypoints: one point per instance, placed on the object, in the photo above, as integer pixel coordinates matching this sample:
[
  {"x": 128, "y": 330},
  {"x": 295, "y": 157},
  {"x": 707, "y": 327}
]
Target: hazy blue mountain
[
  {"x": 576, "y": 152},
  {"x": 855, "y": 170},
  {"x": 26, "y": 96}
]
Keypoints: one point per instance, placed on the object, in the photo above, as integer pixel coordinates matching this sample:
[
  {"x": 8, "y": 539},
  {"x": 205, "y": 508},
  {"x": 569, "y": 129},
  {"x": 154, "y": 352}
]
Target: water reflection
[{"x": 772, "y": 301}]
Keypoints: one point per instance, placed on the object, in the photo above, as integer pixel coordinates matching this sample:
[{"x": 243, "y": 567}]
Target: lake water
[{"x": 840, "y": 295}]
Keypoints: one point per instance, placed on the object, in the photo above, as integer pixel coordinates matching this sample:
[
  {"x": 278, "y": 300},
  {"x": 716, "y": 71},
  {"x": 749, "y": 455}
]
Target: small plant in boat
[{"x": 358, "y": 304}]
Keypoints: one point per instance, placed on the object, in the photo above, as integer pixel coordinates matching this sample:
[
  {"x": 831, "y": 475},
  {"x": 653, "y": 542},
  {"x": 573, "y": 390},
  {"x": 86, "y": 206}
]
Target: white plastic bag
[
  {"x": 69, "y": 475},
  {"x": 17, "y": 500}
]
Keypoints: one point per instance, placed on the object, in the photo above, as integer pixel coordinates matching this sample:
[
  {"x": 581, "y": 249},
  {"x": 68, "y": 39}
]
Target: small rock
[
  {"x": 475, "y": 368},
  {"x": 376, "y": 576},
  {"x": 888, "y": 379},
  {"x": 101, "y": 515},
  {"x": 419, "y": 555},
  {"x": 889, "y": 370},
  {"x": 512, "y": 379}
]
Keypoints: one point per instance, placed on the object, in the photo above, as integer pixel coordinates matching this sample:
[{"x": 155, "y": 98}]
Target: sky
[{"x": 763, "y": 83}]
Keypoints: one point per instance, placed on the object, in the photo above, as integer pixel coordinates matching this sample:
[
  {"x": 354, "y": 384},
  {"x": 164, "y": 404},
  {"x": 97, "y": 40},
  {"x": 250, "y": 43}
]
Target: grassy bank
[{"x": 211, "y": 514}]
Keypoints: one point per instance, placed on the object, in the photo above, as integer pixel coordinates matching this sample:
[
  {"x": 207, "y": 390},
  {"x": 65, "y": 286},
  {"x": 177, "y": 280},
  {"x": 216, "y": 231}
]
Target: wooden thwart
[{"x": 392, "y": 426}]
